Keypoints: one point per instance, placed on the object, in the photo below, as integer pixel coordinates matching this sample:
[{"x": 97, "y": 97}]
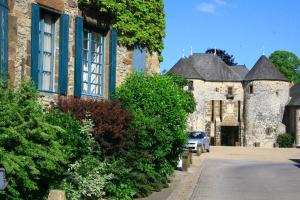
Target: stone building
[
  {"x": 65, "y": 49},
  {"x": 236, "y": 106},
  {"x": 293, "y": 113}
]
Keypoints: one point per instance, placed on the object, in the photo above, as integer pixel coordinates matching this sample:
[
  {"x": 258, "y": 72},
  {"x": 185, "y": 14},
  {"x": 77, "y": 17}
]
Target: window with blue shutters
[
  {"x": 93, "y": 64},
  {"x": 49, "y": 56},
  {"x": 46, "y": 53}
]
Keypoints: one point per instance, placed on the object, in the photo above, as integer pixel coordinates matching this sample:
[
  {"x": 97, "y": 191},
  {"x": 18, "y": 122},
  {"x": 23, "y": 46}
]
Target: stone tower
[{"x": 266, "y": 94}]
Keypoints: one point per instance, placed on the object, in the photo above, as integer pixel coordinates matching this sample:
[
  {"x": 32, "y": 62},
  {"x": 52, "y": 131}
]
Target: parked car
[{"x": 198, "y": 137}]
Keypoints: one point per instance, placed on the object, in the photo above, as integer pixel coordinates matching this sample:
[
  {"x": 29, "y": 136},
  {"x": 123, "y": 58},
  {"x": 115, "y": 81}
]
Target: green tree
[
  {"x": 287, "y": 63},
  {"x": 226, "y": 57},
  {"x": 29, "y": 147},
  {"x": 160, "y": 108}
]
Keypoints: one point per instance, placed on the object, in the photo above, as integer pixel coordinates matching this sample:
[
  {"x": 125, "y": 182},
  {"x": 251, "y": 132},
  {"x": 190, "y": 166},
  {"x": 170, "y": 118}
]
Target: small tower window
[
  {"x": 229, "y": 93},
  {"x": 268, "y": 131},
  {"x": 217, "y": 89},
  {"x": 251, "y": 89},
  {"x": 191, "y": 85}
]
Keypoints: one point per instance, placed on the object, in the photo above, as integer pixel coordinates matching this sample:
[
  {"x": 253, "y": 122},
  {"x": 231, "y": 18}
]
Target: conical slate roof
[
  {"x": 264, "y": 70},
  {"x": 208, "y": 67}
]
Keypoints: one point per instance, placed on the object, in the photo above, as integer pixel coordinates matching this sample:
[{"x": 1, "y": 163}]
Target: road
[{"x": 249, "y": 174}]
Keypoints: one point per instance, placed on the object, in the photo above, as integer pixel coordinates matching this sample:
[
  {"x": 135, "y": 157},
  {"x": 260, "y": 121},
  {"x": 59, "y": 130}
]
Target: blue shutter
[
  {"x": 35, "y": 18},
  {"x": 112, "y": 61},
  {"x": 3, "y": 41},
  {"x": 139, "y": 59},
  {"x": 78, "y": 56},
  {"x": 63, "y": 54}
]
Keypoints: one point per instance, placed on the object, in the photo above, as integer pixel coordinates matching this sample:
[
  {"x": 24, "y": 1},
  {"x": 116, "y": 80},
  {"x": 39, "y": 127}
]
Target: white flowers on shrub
[{"x": 87, "y": 177}]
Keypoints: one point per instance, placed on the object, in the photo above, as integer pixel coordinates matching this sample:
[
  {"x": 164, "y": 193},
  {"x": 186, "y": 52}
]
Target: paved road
[{"x": 240, "y": 179}]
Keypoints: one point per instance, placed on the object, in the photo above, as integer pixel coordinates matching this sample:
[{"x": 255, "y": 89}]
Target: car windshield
[{"x": 196, "y": 135}]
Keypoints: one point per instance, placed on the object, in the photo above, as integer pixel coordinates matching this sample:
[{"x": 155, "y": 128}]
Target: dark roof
[
  {"x": 295, "y": 94},
  {"x": 208, "y": 67},
  {"x": 241, "y": 70},
  {"x": 264, "y": 70}
]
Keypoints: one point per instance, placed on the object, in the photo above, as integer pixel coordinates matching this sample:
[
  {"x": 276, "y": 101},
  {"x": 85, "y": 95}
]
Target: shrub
[
  {"x": 86, "y": 179},
  {"x": 112, "y": 123},
  {"x": 29, "y": 148},
  {"x": 160, "y": 108},
  {"x": 285, "y": 140},
  {"x": 75, "y": 142}
]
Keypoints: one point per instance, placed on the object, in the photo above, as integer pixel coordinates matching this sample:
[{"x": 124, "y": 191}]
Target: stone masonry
[
  {"x": 264, "y": 110},
  {"x": 298, "y": 127},
  {"x": 20, "y": 43}
]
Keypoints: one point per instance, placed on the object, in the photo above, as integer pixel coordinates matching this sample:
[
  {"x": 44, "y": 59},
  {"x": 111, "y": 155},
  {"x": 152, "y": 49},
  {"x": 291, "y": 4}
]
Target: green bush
[
  {"x": 75, "y": 142},
  {"x": 29, "y": 148},
  {"x": 160, "y": 108},
  {"x": 86, "y": 179},
  {"x": 88, "y": 176},
  {"x": 285, "y": 140}
]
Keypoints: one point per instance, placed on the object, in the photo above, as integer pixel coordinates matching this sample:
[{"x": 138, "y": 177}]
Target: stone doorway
[{"x": 229, "y": 135}]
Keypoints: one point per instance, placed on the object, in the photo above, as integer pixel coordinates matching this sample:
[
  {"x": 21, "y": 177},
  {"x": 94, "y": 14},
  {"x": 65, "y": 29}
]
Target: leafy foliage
[
  {"x": 160, "y": 108},
  {"x": 139, "y": 23},
  {"x": 285, "y": 140},
  {"x": 87, "y": 177},
  {"x": 112, "y": 123},
  {"x": 227, "y": 58},
  {"x": 76, "y": 143},
  {"x": 287, "y": 63},
  {"x": 29, "y": 149}
]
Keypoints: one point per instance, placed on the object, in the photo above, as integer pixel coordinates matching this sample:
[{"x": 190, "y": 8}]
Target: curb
[{"x": 184, "y": 190}]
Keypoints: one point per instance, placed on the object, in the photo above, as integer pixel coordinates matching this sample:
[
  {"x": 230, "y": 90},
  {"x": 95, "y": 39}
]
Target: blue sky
[{"x": 241, "y": 27}]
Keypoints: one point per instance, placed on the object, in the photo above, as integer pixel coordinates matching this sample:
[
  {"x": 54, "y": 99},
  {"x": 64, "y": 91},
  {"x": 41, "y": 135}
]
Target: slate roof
[
  {"x": 241, "y": 70},
  {"x": 208, "y": 67},
  {"x": 264, "y": 70},
  {"x": 295, "y": 94}
]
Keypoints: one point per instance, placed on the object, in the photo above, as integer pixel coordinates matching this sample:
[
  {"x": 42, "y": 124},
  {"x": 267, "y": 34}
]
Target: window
[
  {"x": 191, "y": 85},
  {"x": 46, "y": 52},
  {"x": 268, "y": 131},
  {"x": 251, "y": 89},
  {"x": 93, "y": 64},
  {"x": 3, "y": 41},
  {"x": 229, "y": 91}
]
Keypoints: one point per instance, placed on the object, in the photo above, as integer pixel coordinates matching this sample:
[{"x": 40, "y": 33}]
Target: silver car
[{"x": 198, "y": 137}]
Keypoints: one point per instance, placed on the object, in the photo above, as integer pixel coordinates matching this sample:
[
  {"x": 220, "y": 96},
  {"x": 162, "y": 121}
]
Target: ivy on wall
[{"x": 138, "y": 22}]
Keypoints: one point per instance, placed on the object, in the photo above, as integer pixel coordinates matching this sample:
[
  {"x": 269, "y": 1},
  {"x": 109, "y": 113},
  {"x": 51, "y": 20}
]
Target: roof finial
[
  {"x": 263, "y": 50},
  {"x": 215, "y": 52},
  {"x": 183, "y": 53},
  {"x": 191, "y": 50}
]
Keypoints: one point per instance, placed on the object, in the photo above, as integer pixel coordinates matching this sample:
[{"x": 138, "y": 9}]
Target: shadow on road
[{"x": 296, "y": 161}]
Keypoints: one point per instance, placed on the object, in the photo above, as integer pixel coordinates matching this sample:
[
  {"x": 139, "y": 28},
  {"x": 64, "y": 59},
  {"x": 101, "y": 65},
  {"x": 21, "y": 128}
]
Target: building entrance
[{"x": 229, "y": 135}]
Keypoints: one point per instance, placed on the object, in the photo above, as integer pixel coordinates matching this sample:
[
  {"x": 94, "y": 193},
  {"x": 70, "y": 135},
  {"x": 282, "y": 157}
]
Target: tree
[
  {"x": 227, "y": 58},
  {"x": 287, "y": 63},
  {"x": 160, "y": 109}
]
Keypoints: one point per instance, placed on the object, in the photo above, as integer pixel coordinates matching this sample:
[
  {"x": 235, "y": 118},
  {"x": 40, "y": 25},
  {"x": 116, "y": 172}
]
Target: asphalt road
[{"x": 230, "y": 179}]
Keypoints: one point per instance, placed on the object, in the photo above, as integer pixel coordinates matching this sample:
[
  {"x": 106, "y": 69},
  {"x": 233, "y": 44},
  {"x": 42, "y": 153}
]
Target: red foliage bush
[{"x": 111, "y": 122}]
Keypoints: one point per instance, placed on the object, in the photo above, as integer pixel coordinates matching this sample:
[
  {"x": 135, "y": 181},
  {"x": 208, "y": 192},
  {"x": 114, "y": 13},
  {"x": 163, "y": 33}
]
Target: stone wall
[
  {"x": 297, "y": 127},
  {"x": 124, "y": 64},
  {"x": 152, "y": 63},
  {"x": 204, "y": 93},
  {"x": 264, "y": 110}
]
